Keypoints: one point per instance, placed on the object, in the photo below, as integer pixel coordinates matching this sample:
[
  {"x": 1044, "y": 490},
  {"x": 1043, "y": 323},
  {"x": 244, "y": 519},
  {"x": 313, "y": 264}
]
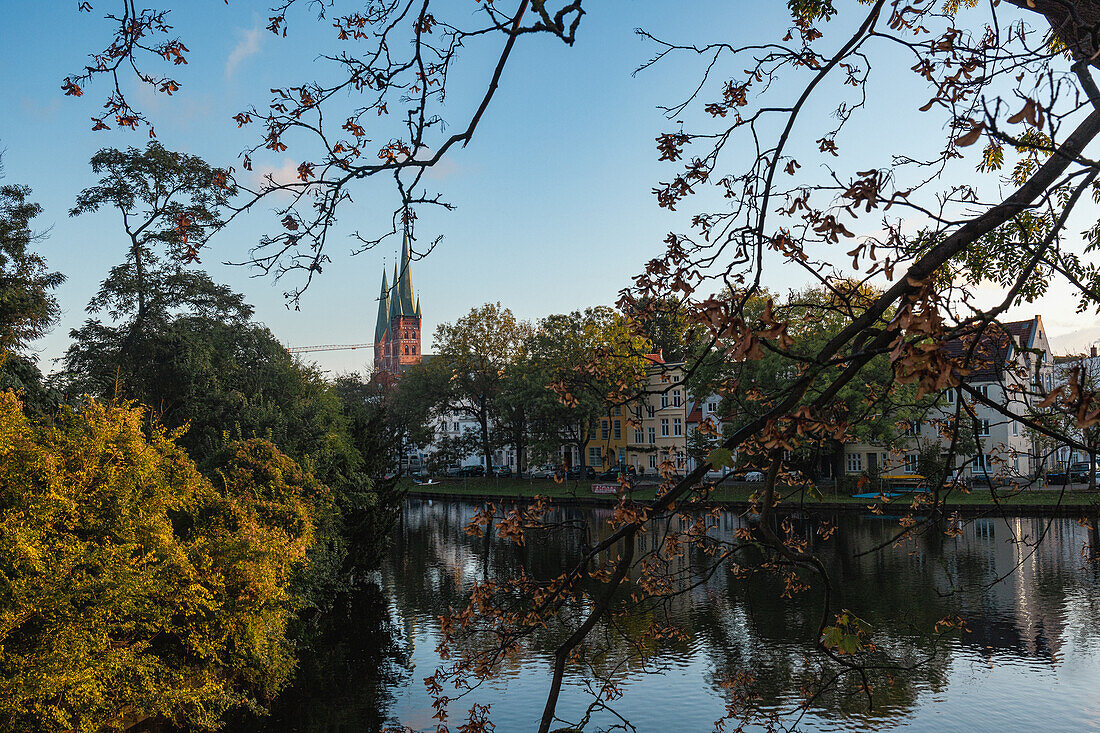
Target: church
[{"x": 397, "y": 330}]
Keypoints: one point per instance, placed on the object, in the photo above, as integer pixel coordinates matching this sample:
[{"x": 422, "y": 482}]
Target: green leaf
[{"x": 850, "y": 644}]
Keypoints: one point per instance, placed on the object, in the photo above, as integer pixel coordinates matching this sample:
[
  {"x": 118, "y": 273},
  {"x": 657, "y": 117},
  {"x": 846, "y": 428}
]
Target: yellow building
[{"x": 657, "y": 429}]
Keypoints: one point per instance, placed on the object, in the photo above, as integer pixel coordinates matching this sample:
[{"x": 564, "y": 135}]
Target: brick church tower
[{"x": 397, "y": 330}]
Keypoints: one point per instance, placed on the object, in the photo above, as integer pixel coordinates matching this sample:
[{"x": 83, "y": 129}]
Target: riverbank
[{"x": 1049, "y": 502}]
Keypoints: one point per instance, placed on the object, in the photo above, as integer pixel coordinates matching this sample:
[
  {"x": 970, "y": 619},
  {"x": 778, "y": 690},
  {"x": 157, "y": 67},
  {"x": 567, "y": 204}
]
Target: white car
[
  {"x": 754, "y": 476},
  {"x": 542, "y": 472}
]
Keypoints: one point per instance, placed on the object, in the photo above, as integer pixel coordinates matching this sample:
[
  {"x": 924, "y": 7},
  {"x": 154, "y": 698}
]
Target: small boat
[{"x": 876, "y": 495}]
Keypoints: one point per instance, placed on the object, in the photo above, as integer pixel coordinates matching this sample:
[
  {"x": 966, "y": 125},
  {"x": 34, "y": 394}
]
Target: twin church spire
[{"x": 397, "y": 328}]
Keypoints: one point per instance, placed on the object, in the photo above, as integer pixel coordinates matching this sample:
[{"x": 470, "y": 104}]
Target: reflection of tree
[
  {"x": 742, "y": 624},
  {"x": 345, "y": 672}
]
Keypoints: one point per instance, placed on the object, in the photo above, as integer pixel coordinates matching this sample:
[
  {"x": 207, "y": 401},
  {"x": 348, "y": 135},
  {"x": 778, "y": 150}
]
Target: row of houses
[{"x": 1010, "y": 365}]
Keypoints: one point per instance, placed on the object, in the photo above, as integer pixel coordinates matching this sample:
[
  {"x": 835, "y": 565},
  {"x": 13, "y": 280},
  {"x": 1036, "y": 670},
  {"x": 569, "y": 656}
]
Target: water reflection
[
  {"x": 1031, "y": 658},
  {"x": 350, "y": 662}
]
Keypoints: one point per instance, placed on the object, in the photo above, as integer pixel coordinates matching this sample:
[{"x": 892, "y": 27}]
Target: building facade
[
  {"x": 1010, "y": 366},
  {"x": 658, "y": 428}
]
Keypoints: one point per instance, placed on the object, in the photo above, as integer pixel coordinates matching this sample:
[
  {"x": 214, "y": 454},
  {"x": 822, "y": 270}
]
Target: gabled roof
[
  {"x": 996, "y": 346},
  {"x": 1022, "y": 330}
]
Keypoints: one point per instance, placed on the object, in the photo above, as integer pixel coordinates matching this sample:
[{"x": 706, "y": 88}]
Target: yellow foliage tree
[{"x": 130, "y": 586}]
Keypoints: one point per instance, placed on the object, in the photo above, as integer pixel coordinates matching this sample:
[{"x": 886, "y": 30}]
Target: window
[
  {"x": 950, "y": 393},
  {"x": 617, "y": 411},
  {"x": 617, "y": 429},
  {"x": 854, "y": 462},
  {"x": 911, "y": 463},
  {"x": 912, "y": 428},
  {"x": 982, "y": 463},
  {"x": 653, "y": 461},
  {"x": 595, "y": 457},
  {"x": 983, "y": 427},
  {"x": 983, "y": 390},
  {"x": 456, "y": 427},
  {"x": 677, "y": 427},
  {"x": 639, "y": 436},
  {"x": 664, "y": 400},
  {"x": 406, "y": 351},
  {"x": 675, "y": 398},
  {"x": 603, "y": 430},
  {"x": 649, "y": 410},
  {"x": 414, "y": 348},
  {"x": 712, "y": 407},
  {"x": 622, "y": 456},
  {"x": 675, "y": 377},
  {"x": 664, "y": 427},
  {"x": 1015, "y": 428},
  {"x": 652, "y": 436}
]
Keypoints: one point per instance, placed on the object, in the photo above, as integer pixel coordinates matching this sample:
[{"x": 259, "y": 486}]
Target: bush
[{"x": 130, "y": 586}]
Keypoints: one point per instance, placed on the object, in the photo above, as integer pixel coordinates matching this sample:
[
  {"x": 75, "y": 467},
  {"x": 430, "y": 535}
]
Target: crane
[{"x": 326, "y": 347}]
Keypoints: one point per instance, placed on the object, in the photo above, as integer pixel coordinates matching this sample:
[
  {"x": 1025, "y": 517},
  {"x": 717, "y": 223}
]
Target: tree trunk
[
  {"x": 838, "y": 466},
  {"x": 1092, "y": 468},
  {"x": 483, "y": 420}
]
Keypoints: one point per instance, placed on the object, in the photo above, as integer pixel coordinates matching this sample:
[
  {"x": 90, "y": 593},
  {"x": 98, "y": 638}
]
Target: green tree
[
  {"x": 170, "y": 203},
  {"x": 27, "y": 306},
  {"x": 667, "y": 325},
  {"x": 524, "y": 384},
  {"x": 588, "y": 361},
  {"x": 872, "y": 407},
  {"x": 476, "y": 351},
  {"x": 135, "y": 588}
]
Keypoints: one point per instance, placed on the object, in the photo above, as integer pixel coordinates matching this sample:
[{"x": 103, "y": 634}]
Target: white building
[{"x": 1010, "y": 365}]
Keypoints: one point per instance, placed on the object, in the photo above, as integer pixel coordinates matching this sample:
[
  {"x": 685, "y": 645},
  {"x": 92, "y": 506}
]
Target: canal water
[{"x": 1028, "y": 661}]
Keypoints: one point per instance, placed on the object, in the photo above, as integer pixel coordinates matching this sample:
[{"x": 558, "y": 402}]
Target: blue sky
[{"x": 553, "y": 194}]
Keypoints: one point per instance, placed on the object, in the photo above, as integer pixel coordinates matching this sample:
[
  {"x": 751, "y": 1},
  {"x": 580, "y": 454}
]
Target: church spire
[
  {"x": 393, "y": 299},
  {"x": 406, "y": 304},
  {"x": 383, "y": 321}
]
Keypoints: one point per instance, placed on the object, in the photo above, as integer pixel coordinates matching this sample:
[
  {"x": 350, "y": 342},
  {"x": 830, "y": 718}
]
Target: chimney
[{"x": 1092, "y": 351}]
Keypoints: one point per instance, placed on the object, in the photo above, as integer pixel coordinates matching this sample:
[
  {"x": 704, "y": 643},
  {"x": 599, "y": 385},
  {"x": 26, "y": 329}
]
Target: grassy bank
[{"x": 739, "y": 494}]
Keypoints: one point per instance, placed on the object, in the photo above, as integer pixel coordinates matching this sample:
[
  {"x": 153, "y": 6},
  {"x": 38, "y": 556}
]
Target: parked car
[
  {"x": 613, "y": 473},
  {"x": 1079, "y": 472},
  {"x": 574, "y": 473},
  {"x": 542, "y": 472},
  {"x": 471, "y": 471},
  {"x": 502, "y": 471}
]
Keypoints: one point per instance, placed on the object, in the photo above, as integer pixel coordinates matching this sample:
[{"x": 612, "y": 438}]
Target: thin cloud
[
  {"x": 267, "y": 175},
  {"x": 248, "y": 45}
]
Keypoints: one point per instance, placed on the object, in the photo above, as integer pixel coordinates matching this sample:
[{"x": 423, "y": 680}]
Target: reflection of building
[
  {"x": 1035, "y": 561},
  {"x": 397, "y": 329}
]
